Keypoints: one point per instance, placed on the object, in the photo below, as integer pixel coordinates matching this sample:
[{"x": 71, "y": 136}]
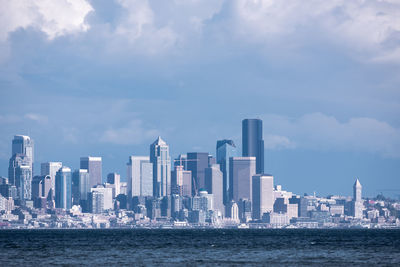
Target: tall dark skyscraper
[{"x": 252, "y": 142}]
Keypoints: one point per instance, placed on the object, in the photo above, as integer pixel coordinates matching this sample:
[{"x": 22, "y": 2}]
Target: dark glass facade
[{"x": 252, "y": 142}]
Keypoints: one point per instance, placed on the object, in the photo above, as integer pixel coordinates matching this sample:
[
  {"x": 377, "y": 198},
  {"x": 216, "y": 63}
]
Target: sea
[{"x": 213, "y": 247}]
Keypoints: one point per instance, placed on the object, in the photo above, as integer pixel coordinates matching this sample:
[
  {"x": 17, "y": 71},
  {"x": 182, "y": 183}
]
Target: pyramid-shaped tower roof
[
  {"x": 159, "y": 142},
  {"x": 357, "y": 183}
]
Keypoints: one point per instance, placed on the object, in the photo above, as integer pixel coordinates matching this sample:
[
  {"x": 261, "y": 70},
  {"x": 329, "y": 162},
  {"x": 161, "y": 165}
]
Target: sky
[{"x": 105, "y": 78}]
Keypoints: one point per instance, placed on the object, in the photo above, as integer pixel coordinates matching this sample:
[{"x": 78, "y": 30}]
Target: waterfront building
[
  {"x": 197, "y": 162},
  {"x": 50, "y": 169},
  {"x": 214, "y": 186},
  {"x": 226, "y": 149},
  {"x": 245, "y": 210},
  {"x": 94, "y": 167},
  {"x": 161, "y": 160},
  {"x": 263, "y": 194},
  {"x": 253, "y": 143},
  {"x": 241, "y": 172},
  {"x": 140, "y": 176},
  {"x": 63, "y": 194},
  {"x": 176, "y": 205},
  {"x": 232, "y": 211}
]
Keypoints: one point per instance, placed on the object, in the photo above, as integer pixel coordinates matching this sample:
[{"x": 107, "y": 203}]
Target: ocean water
[{"x": 200, "y": 247}]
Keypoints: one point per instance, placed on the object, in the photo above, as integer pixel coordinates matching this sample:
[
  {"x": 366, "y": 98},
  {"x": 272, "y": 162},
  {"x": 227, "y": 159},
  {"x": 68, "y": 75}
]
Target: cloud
[
  {"x": 277, "y": 142},
  {"x": 133, "y": 133},
  {"x": 322, "y": 132},
  {"x": 371, "y": 28},
  {"x": 36, "y": 117},
  {"x": 53, "y": 17}
]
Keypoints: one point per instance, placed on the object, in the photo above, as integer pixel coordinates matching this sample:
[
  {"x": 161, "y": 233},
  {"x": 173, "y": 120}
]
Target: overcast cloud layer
[{"x": 84, "y": 77}]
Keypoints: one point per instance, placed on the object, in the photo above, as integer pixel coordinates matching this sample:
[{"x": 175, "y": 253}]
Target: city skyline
[
  {"x": 107, "y": 84},
  {"x": 187, "y": 163}
]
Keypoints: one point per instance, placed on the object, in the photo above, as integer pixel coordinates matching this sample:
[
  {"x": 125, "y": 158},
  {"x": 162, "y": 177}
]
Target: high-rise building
[
  {"x": 197, "y": 162},
  {"x": 23, "y": 144},
  {"x": 232, "y": 211},
  {"x": 140, "y": 176},
  {"x": 181, "y": 160},
  {"x": 63, "y": 188},
  {"x": 16, "y": 161},
  {"x": 241, "y": 172},
  {"x": 80, "y": 188},
  {"x": 24, "y": 173},
  {"x": 115, "y": 179},
  {"x": 20, "y": 170},
  {"x": 263, "y": 195},
  {"x": 96, "y": 202},
  {"x": 50, "y": 169},
  {"x": 214, "y": 184},
  {"x": 225, "y": 149},
  {"x": 41, "y": 186},
  {"x": 252, "y": 142},
  {"x": 159, "y": 156},
  {"x": 181, "y": 181},
  {"x": 358, "y": 204},
  {"x": 107, "y": 196},
  {"x": 94, "y": 167}
]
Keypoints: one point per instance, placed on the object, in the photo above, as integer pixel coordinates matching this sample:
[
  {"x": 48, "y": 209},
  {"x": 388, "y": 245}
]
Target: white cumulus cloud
[
  {"x": 368, "y": 27},
  {"x": 53, "y": 17}
]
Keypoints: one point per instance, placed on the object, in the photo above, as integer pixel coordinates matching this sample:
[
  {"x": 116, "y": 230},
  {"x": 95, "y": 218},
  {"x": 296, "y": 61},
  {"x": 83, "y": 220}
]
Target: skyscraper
[
  {"x": 24, "y": 173},
  {"x": 20, "y": 170},
  {"x": 16, "y": 161},
  {"x": 181, "y": 181},
  {"x": 50, "y": 169},
  {"x": 94, "y": 167},
  {"x": 23, "y": 144},
  {"x": 63, "y": 188},
  {"x": 197, "y": 162},
  {"x": 41, "y": 186},
  {"x": 80, "y": 187},
  {"x": 115, "y": 179},
  {"x": 140, "y": 176},
  {"x": 225, "y": 150},
  {"x": 357, "y": 200},
  {"x": 241, "y": 172},
  {"x": 263, "y": 195},
  {"x": 159, "y": 156},
  {"x": 252, "y": 142},
  {"x": 214, "y": 185}
]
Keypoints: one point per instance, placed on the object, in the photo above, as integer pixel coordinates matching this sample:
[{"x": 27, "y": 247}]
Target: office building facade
[
  {"x": 161, "y": 160},
  {"x": 252, "y": 142},
  {"x": 241, "y": 172},
  {"x": 225, "y": 149},
  {"x": 94, "y": 167}
]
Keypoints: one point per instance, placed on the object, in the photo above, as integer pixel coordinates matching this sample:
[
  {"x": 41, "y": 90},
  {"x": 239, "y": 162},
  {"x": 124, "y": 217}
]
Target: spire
[
  {"x": 357, "y": 183},
  {"x": 159, "y": 141}
]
